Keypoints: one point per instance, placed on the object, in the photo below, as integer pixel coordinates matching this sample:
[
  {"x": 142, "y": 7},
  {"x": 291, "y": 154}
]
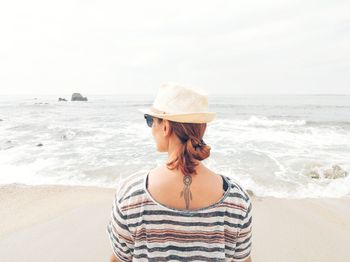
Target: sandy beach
[{"x": 66, "y": 223}]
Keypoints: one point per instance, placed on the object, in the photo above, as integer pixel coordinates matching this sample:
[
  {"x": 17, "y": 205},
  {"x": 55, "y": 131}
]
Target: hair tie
[{"x": 200, "y": 144}]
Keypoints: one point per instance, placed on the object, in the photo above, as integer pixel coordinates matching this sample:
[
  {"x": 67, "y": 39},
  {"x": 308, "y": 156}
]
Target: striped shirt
[{"x": 142, "y": 229}]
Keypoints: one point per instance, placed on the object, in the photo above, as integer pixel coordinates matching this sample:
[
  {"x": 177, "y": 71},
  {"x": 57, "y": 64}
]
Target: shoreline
[{"x": 68, "y": 223}]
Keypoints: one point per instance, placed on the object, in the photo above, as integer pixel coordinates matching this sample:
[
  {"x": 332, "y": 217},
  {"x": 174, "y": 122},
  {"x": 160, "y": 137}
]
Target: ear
[{"x": 166, "y": 127}]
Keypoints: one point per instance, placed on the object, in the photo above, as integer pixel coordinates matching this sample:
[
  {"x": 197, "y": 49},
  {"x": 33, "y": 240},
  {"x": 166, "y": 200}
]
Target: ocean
[{"x": 269, "y": 143}]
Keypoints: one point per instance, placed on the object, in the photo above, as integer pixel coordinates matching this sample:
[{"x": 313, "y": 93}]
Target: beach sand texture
[{"x": 68, "y": 223}]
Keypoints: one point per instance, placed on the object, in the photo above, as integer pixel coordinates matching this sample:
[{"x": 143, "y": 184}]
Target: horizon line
[{"x": 143, "y": 94}]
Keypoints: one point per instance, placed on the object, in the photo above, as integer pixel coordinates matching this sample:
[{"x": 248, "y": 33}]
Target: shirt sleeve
[
  {"x": 121, "y": 239},
  {"x": 244, "y": 239}
]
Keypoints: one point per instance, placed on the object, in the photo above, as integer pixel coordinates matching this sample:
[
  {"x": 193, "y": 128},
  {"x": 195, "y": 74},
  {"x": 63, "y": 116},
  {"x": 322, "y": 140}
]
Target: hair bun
[{"x": 193, "y": 147}]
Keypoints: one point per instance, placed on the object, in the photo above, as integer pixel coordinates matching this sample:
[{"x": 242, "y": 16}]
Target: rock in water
[
  {"x": 335, "y": 172},
  {"x": 62, "y": 99},
  {"x": 68, "y": 135},
  {"x": 78, "y": 97},
  {"x": 313, "y": 174}
]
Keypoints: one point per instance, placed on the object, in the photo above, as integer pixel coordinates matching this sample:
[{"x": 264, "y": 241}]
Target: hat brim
[{"x": 202, "y": 117}]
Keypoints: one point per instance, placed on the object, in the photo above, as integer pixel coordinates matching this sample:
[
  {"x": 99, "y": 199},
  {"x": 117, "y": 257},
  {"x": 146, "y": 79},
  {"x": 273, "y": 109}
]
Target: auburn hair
[{"x": 193, "y": 147}]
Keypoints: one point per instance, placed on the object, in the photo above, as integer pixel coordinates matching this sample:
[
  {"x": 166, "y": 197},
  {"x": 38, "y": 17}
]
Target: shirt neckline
[{"x": 217, "y": 203}]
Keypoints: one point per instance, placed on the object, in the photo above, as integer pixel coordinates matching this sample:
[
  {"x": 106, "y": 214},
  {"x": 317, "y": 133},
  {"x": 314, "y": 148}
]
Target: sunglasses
[{"x": 149, "y": 120}]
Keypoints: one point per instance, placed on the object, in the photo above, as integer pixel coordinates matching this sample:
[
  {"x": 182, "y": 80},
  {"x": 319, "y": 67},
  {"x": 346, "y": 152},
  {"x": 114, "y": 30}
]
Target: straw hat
[{"x": 180, "y": 103}]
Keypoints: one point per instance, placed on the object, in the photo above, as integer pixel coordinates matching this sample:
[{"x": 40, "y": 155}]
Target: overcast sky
[{"x": 112, "y": 47}]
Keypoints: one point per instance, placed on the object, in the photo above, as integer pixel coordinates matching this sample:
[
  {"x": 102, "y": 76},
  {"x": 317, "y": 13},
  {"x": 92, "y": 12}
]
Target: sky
[{"x": 131, "y": 47}]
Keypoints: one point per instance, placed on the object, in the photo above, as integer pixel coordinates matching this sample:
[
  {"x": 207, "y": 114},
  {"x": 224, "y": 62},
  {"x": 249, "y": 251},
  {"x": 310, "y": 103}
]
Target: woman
[{"x": 181, "y": 210}]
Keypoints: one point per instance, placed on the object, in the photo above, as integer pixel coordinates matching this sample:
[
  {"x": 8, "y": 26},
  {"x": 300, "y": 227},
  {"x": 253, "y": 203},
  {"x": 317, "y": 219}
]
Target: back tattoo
[{"x": 186, "y": 191}]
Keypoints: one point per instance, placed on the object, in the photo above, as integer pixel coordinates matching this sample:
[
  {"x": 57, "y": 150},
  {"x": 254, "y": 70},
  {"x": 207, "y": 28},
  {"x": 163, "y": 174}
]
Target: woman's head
[
  {"x": 184, "y": 141},
  {"x": 178, "y": 117}
]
